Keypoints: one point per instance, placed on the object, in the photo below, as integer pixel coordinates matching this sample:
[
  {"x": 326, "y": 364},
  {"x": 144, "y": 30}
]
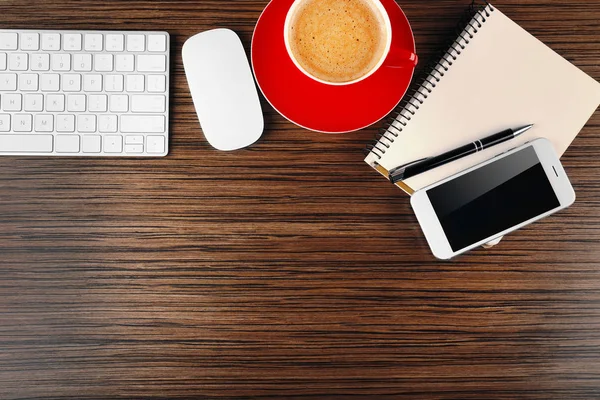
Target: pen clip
[{"x": 400, "y": 169}]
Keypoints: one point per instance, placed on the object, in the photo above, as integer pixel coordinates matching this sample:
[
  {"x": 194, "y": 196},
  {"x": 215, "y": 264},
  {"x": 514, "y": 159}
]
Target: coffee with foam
[{"x": 337, "y": 41}]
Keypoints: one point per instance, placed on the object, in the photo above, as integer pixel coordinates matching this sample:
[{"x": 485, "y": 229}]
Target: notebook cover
[{"x": 497, "y": 76}]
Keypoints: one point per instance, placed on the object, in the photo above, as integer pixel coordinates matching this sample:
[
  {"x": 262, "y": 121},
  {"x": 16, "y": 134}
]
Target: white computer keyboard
[{"x": 84, "y": 93}]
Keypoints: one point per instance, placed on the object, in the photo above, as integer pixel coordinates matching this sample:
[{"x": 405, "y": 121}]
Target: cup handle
[{"x": 400, "y": 58}]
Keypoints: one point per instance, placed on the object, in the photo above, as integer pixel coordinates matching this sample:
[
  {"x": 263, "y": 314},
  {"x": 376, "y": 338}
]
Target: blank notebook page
[{"x": 504, "y": 78}]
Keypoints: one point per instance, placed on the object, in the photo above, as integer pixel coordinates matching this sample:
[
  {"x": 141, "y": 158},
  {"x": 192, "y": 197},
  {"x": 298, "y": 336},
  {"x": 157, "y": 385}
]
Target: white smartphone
[{"x": 492, "y": 199}]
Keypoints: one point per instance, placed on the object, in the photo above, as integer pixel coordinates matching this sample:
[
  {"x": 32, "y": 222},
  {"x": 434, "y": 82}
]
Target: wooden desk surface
[{"x": 289, "y": 269}]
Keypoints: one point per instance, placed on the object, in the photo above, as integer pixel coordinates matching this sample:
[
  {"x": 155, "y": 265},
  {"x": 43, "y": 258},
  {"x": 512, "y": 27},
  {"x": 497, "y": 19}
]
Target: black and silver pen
[{"x": 418, "y": 167}]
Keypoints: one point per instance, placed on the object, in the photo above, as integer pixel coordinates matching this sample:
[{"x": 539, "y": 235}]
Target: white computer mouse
[{"x": 223, "y": 89}]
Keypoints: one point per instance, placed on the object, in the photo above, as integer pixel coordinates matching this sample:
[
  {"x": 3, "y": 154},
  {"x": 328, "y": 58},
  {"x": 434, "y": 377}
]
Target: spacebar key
[
  {"x": 142, "y": 124},
  {"x": 25, "y": 143}
]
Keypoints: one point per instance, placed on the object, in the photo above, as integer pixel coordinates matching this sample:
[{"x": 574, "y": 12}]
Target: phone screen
[{"x": 493, "y": 198}]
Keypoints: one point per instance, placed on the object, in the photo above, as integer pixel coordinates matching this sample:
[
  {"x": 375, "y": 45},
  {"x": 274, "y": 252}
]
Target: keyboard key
[
  {"x": 107, "y": 123},
  {"x": 40, "y": 62},
  {"x": 155, "y": 144},
  {"x": 71, "y": 83},
  {"x": 157, "y": 43},
  {"x": 34, "y": 103},
  {"x": 119, "y": 103},
  {"x": 134, "y": 139},
  {"x": 157, "y": 83},
  {"x": 151, "y": 63},
  {"x": 97, "y": 103},
  {"x": 82, "y": 62},
  {"x": 93, "y": 42},
  {"x": 92, "y": 83},
  {"x": 124, "y": 63},
  {"x": 4, "y": 122},
  {"x": 44, "y": 123},
  {"x": 86, "y": 123},
  {"x": 148, "y": 103},
  {"x": 91, "y": 144},
  {"x": 135, "y": 83},
  {"x": 50, "y": 41},
  {"x": 55, "y": 102},
  {"x": 30, "y": 41},
  {"x": 50, "y": 82},
  {"x": 61, "y": 62},
  {"x": 8, "y": 41},
  {"x": 28, "y": 82},
  {"x": 22, "y": 122},
  {"x": 142, "y": 124},
  {"x": 18, "y": 62},
  {"x": 76, "y": 103},
  {"x": 115, "y": 42},
  {"x": 26, "y": 143},
  {"x": 134, "y": 148},
  {"x": 113, "y": 144},
  {"x": 2, "y": 61},
  {"x": 113, "y": 83},
  {"x": 136, "y": 42},
  {"x": 67, "y": 143},
  {"x": 103, "y": 62},
  {"x": 72, "y": 41},
  {"x": 65, "y": 123},
  {"x": 11, "y": 102},
  {"x": 8, "y": 82}
]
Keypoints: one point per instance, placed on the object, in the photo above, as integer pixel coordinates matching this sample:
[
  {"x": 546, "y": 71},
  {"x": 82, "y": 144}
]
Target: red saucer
[{"x": 317, "y": 106}]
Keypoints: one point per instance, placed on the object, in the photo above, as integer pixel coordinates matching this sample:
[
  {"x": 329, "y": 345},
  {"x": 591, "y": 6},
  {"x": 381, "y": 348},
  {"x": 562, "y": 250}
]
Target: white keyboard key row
[
  {"x": 16, "y": 143},
  {"x": 82, "y": 123},
  {"x": 91, "y": 42},
  {"x": 100, "y": 103},
  {"x": 28, "y": 82},
  {"x": 65, "y": 62}
]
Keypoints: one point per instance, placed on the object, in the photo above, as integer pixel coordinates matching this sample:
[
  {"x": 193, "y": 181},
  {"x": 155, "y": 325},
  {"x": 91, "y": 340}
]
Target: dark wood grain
[{"x": 290, "y": 269}]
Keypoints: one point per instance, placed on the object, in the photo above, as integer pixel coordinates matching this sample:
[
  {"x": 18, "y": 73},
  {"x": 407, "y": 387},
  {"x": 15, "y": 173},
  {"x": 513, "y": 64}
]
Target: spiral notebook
[{"x": 494, "y": 76}]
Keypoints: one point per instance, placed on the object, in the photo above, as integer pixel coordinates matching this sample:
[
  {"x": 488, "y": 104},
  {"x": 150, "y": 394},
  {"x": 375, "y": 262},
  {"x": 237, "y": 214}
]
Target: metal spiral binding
[{"x": 473, "y": 19}]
